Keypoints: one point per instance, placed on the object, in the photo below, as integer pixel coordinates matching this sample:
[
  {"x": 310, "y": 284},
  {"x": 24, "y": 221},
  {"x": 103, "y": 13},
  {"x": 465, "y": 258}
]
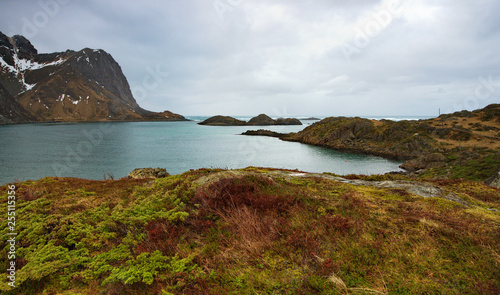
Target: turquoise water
[{"x": 98, "y": 150}]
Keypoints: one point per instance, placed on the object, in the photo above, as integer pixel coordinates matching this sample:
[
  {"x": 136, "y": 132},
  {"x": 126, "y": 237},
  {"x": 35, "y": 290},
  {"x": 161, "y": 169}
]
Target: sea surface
[{"x": 112, "y": 150}]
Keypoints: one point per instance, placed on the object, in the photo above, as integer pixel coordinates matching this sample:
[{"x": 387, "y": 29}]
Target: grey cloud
[{"x": 259, "y": 56}]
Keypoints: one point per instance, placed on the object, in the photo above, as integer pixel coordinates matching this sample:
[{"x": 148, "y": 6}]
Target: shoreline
[
  {"x": 98, "y": 121},
  {"x": 459, "y": 145}
]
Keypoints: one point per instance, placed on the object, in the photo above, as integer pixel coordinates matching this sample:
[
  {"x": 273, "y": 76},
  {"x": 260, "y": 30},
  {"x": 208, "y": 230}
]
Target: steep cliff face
[
  {"x": 11, "y": 111},
  {"x": 86, "y": 85}
]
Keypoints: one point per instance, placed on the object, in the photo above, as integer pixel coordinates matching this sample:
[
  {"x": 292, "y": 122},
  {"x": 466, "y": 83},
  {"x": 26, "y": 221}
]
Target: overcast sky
[{"x": 282, "y": 57}]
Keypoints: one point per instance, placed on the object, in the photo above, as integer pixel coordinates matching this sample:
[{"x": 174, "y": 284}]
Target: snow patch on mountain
[
  {"x": 22, "y": 65},
  {"x": 37, "y": 66},
  {"x": 7, "y": 66}
]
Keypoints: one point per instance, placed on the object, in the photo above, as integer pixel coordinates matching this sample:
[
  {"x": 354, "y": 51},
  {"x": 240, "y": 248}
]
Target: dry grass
[
  {"x": 254, "y": 232},
  {"x": 262, "y": 233},
  {"x": 338, "y": 282},
  {"x": 341, "y": 285},
  {"x": 481, "y": 138}
]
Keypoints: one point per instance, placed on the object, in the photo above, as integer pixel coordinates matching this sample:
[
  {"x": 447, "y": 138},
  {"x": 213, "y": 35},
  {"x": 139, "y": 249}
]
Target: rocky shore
[
  {"x": 460, "y": 145},
  {"x": 262, "y": 132}
]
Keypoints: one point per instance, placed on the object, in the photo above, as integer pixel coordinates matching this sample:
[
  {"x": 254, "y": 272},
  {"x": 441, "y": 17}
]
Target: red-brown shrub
[
  {"x": 351, "y": 202},
  {"x": 161, "y": 235},
  {"x": 339, "y": 223},
  {"x": 233, "y": 193},
  {"x": 303, "y": 239}
]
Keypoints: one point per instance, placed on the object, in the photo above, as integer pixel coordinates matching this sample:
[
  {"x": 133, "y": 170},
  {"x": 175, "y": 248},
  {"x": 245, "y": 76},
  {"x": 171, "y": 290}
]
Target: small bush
[
  {"x": 233, "y": 193},
  {"x": 162, "y": 235},
  {"x": 339, "y": 223}
]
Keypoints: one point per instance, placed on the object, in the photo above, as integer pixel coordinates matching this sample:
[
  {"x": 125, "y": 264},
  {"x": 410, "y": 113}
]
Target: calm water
[{"x": 96, "y": 150}]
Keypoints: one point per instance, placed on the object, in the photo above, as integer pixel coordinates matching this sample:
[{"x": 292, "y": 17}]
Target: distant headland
[
  {"x": 71, "y": 86},
  {"x": 460, "y": 145}
]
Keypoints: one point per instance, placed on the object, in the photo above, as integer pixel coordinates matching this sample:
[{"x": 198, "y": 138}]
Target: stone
[
  {"x": 142, "y": 173},
  {"x": 424, "y": 162},
  {"x": 495, "y": 180}
]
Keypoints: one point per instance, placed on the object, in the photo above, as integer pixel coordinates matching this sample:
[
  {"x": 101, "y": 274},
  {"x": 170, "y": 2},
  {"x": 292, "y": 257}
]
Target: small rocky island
[{"x": 260, "y": 120}]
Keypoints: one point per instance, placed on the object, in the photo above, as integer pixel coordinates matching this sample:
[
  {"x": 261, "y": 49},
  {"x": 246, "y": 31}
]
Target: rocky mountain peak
[
  {"x": 4, "y": 41},
  {"x": 24, "y": 47},
  {"x": 85, "y": 85}
]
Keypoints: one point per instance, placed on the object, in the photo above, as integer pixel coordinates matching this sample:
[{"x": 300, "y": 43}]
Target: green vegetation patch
[{"x": 254, "y": 231}]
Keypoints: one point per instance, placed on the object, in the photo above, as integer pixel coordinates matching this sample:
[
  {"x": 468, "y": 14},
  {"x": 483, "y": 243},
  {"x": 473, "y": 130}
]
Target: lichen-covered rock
[
  {"x": 495, "y": 180},
  {"x": 141, "y": 173}
]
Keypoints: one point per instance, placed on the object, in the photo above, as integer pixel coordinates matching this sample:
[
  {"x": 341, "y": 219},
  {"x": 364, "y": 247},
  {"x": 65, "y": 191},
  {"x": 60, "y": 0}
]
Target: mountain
[
  {"x": 85, "y": 85},
  {"x": 11, "y": 111}
]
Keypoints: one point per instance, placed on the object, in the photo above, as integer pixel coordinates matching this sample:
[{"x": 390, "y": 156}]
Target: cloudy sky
[{"x": 282, "y": 57}]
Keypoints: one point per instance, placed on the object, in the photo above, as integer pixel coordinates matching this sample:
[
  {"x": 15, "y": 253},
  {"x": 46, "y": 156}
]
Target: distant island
[
  {"x": 71, "y": 86},
  {"x": 260, "y": 120}
]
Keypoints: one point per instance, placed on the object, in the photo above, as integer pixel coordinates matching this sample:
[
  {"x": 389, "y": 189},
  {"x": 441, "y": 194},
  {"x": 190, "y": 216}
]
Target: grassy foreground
[{"x": 251, "y": 231}]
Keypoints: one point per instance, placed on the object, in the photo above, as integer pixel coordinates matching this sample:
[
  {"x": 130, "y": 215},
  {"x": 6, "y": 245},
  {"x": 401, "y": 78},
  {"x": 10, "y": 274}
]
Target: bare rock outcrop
[{"x": 142, "y": 173}]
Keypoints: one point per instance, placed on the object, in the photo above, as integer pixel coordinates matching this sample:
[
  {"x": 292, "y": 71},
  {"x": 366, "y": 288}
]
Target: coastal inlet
[{"x": 176, "y": 146}]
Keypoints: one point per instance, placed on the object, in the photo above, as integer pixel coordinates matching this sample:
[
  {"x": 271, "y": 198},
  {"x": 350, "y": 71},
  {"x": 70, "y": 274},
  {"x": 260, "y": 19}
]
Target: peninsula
[{"x": 460, "y": 145}]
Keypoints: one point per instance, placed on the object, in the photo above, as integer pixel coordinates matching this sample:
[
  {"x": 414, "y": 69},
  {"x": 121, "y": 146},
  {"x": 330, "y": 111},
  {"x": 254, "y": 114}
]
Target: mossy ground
[
  {"x": 251, "y": 232},
  {"x": 478, "y": 167},
  {"x": 469, "y": 142}
]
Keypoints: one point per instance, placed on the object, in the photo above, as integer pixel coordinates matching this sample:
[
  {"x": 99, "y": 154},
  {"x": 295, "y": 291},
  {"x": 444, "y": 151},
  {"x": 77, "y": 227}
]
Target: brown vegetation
[{"x": 256, "y": 230}]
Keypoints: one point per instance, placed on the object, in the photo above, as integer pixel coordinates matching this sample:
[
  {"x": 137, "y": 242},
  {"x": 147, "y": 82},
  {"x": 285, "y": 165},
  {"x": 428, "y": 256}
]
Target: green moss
[
  {"x": 145, "y": 267},
  {"x": 477, "y": 169},
  {"x": 260, "y": 232}
]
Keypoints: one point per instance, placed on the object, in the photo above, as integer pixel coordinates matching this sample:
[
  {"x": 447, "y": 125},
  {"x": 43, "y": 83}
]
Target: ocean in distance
[{"x": 101, "y": 150}]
